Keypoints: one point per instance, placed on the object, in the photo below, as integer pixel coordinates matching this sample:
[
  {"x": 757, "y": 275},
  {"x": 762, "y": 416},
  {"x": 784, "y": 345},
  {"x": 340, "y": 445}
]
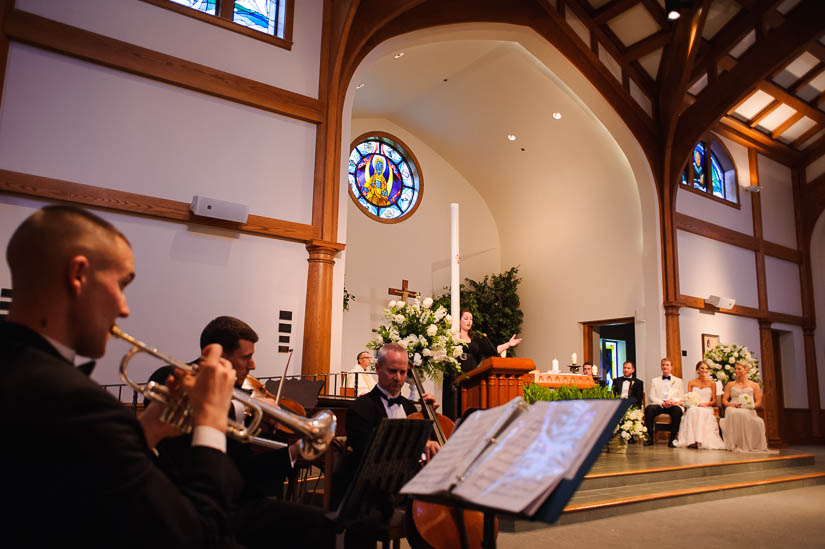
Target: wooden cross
[{"x": 404, "y": 292}]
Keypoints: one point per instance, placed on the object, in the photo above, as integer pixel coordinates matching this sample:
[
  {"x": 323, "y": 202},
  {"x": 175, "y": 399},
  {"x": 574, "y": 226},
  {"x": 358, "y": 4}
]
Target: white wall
[
  {"x": 711, "y": 267},
  {"x": 76, "y": 121},
  {"x": 778, "y": 221},
  {"x": 162, "y": 30},
  {"x": 794, "y": 378},
  {"x": 782, "y": 280},
  {"x": 818, "y": 276},
  {"x": 186, "y": 276},
  {"x": 730, "y": 329},
  {"x": 380, "y": 255}
]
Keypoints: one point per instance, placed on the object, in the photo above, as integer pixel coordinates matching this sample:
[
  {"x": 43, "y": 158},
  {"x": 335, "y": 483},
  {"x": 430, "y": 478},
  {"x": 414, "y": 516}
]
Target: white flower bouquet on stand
[
  {"x": 692, "y": 399},
  {"x": 425, "y": 333},
  {"x": 725, "y": 356},
  {"x": 632, "y": 425}
]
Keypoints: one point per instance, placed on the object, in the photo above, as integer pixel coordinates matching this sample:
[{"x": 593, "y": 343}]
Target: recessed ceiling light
[
  {"x": 359, "y": 86},
  {"x": 673, "y": 15},
  {"x": 557, "y": 115},
  {"x": 398, "y": 55},
  {"x": 511, "y": 137}
]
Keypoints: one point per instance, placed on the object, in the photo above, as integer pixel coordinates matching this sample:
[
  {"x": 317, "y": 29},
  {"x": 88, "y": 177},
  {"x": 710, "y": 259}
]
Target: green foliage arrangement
[
  {"x": 535, "y": 392},
  {"x": 495, "y": 305},
  {"x": 347, "y": 298}
]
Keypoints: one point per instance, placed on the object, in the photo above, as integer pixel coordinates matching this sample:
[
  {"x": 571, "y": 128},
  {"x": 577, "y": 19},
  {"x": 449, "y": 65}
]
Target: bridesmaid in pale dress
[
  {"x": 742, "y": 429},
  {"x": 698, "y": 428}
]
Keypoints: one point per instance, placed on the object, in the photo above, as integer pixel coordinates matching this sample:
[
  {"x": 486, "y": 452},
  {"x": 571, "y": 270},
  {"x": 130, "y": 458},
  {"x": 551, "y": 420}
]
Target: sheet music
[
  {"x": 540, "y": 448},
  {"x": 464, "y": 446}
]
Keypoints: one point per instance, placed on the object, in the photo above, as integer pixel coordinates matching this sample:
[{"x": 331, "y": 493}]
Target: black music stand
[
  {"x": 392, "y": 458},
  {"x": 554, "y": 505}
]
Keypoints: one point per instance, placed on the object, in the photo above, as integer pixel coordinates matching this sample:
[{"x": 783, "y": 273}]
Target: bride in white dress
[
  {"x": 743, "y": 430},
  {"x": 698, "y": 428}
]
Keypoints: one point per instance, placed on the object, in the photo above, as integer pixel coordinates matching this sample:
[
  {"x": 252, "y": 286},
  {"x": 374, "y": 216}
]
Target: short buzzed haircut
[
  {"x": 228, "y": 331},
  {"x": 385, "y": 349},
  {"x": 48, "y": 238}
]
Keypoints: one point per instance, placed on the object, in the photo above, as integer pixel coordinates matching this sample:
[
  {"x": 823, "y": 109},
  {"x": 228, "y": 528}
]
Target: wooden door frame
[{"x": 587, "y": 334}]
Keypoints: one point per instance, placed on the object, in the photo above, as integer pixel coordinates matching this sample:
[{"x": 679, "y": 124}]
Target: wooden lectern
[{"x": 495, "y": 381}]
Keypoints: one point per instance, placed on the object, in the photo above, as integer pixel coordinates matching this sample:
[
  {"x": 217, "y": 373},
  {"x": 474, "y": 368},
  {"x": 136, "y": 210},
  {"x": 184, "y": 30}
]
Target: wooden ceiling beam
[
  {"x": 768, "y": 109},
  {"x": 816, "y": 150},
  {"x": 819, "y": 99},
  {"x": 817, "y": 49},
  {"x": 647, "y": 45},
  {"x": 790, "y": 121},
  {"x": 779, "y": 46},
  {"x": 658, "y": 13},
  {"x": 798, "y": 104},
  {"x": 732, "y": 33},
  {"x": 612, "y": 9},
  {"x": 776, "y": 150},
  {"x": 806, "y": 78},
  {"x": 807, "y": 134}
]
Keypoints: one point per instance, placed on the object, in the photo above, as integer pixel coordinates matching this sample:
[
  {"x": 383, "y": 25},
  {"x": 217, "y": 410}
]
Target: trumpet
[{"x": 316, "y": 432}]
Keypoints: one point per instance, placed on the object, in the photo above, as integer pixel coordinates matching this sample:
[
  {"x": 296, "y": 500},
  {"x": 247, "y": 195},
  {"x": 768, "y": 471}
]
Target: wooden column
[
  {"x": 318, "y": 310},
  {"x": 812, "y": 382},
  {"x": 673, "y": 339},
  {"x": 770, "y": 402}
]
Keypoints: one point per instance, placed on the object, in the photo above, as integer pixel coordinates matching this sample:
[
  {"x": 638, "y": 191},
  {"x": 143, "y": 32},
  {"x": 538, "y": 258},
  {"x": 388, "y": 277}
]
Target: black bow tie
[
  {"x": 666, "y": 377},
  {"x": 392, "y": 401},
  {"x": 87, "y": 367}
]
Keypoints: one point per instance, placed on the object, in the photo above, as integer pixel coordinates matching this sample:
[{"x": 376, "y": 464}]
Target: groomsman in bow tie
[
  {"x": 628, "y": 386},
  {"x": 665, "y": 397}
]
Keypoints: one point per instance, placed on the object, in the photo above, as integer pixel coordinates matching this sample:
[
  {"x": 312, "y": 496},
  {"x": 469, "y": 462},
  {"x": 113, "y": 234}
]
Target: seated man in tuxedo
[
  {"x": 665, "y": 397},
  {"x": 384, "y": 401},
  {"x": 587, "y": 370},
  {"x": 81, "y": 458},
  {"x": 628, "y": 386},
  {"x": 259, "y": 519}
]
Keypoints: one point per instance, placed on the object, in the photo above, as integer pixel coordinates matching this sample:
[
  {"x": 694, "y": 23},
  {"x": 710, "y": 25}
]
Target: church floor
[{"x": 786, "y": 515}]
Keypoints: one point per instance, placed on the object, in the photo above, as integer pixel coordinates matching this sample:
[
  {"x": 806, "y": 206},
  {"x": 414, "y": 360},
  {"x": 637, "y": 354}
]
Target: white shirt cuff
[{"x": 203, "y": 435}]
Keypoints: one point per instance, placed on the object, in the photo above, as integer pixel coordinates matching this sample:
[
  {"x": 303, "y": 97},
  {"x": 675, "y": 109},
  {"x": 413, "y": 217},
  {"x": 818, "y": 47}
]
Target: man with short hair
[
  {"x": 384, "y": 401},
  {"x": 79, "y": 457},
  {"x": 665, "y": 397},
  {"x": 360, "y": 373},
  {"x": 628, "y": 386},
  {"x": 587, "y": 370}
]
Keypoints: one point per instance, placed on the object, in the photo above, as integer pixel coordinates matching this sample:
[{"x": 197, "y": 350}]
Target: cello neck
[{"x": 427, "y": 408}]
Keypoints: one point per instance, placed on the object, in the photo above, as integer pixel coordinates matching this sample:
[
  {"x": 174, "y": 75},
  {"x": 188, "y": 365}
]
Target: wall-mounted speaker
[
  {"x": 219, "y": 209},
  {"x": 721, "y": 302}
]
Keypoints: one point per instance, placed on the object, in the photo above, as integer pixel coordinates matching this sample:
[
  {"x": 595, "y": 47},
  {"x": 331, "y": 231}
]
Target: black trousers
[
  {"x": 653, "y": 410},
  {"x": 268, "y": 522}
]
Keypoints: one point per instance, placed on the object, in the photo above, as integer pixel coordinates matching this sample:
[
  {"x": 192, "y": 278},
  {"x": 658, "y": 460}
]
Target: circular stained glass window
[{"x": 384, "y": 178}]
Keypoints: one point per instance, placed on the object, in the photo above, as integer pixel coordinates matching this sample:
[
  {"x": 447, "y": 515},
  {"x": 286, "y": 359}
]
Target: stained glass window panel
[
  {"x": 382, "y": 180},
  {"x": 206, "y": 6},
  {"x": 716, "y": 173},
  {"x": 698, "y": 167},
  {"x": 260, "y": 15}
]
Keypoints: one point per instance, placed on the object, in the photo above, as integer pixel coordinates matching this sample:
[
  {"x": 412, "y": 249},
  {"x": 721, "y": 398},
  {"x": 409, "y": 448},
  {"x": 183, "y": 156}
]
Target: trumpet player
[{"x": 82, "y": 467}]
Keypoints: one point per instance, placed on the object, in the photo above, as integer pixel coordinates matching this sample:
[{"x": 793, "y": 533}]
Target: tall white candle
[
  {"x": 555, "y": 365},
  {"x": 455, "y": 282},
  {"x": 573, "y": 358}
]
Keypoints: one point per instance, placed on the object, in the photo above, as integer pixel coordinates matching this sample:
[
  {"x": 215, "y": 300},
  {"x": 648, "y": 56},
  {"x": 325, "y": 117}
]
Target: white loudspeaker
[
  {"x": 219, "y": 209},
  {"x": 721, "y": 302}
]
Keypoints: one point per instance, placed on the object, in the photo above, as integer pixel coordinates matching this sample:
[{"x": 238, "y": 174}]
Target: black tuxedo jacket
[
  {"x": 362, "y": 418},
  {"x": 78, "y": 469},
  {"x": 636, "y": 392},
  {"x": 263, "y": 472}
]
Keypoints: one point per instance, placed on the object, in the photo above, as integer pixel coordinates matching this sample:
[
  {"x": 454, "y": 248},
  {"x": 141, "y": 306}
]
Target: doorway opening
[{"x": 608, "y": 344}]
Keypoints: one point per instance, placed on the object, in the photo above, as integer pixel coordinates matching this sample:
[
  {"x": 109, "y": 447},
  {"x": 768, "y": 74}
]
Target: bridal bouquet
[
  {"x": 692, "y": 399},
  {"x": 425, "y": 333},
  {"x": 745, "y": 401},
  {"x": 724, "y": 357},
  {"x": 632, "y": 425}
]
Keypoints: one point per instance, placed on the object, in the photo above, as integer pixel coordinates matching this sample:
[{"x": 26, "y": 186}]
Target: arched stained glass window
[
  {"x": 718, "y": 163},
  {"x": 384, "y": 177}
]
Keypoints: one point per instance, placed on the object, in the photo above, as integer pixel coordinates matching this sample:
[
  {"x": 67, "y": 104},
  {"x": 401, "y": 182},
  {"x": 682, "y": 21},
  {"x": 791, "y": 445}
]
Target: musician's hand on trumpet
[{"x": 211, "y": 389}]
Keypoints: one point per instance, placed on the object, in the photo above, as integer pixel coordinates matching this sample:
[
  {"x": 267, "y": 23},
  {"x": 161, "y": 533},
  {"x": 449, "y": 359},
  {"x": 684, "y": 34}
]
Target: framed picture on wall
[{"x": 709, "y": 341}]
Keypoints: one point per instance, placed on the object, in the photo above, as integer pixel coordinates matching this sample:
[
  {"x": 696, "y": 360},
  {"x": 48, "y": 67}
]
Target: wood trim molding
[
  {"x": 694, "y": 302},
  {"x": 756, "y": 214},
  {"x": 226, "y": 22},
  {"x": 719, "y": 233},
  {"x": 6, "y": 6},
  {"x": 740, "y": 133},
  {"x": 138, "y": 204},
  {"x": 109, "y": 52}
]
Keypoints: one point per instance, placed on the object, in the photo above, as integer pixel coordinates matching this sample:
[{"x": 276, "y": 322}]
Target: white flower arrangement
[
  {"x": 424, "y": 333},
  {"x": 631, "y": 425},
  {"x": 724, "y": 356},
  {"x": 744, "y": 401},
  {"x": 692, "y": 399}
]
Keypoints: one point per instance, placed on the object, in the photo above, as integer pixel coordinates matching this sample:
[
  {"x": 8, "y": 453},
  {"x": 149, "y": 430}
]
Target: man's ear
[{"x": 78, "y": 274}]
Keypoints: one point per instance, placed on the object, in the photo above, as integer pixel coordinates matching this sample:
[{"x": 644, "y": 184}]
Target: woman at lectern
[{"x": 479, "y": 346}]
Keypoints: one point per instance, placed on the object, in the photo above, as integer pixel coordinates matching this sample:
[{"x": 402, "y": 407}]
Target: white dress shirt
[{"x": 662, "y": 389}]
